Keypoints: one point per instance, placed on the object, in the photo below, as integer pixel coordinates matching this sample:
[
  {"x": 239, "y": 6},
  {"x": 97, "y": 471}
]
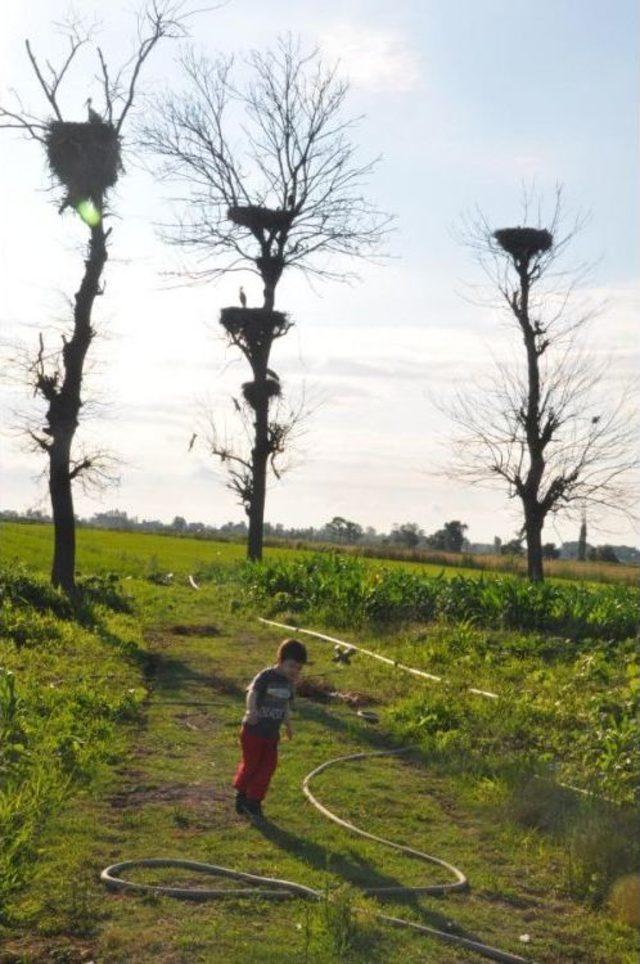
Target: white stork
[{"x": 94, "y": 116}]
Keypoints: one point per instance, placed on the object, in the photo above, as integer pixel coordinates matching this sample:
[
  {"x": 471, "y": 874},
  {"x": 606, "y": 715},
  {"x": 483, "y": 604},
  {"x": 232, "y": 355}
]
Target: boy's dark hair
[{"x": 292, "y": 649}]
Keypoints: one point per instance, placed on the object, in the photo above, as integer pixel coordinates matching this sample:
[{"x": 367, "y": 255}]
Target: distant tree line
[{"x": 339, "y": 531}]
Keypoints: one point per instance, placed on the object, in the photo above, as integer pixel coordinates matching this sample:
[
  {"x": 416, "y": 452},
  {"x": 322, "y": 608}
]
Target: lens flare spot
[{"x": 88, "y": 212}]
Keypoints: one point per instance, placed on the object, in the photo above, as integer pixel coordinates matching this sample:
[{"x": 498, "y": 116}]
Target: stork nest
[
  {"x": 270, "y": 267},
  {"x": 256, "y": 393},
  {"x": 523, "y": 243},
  {"x": 85, "y": 157},
  {"x": 253, "y": 324},
  {"x": 259, "y": 219}
]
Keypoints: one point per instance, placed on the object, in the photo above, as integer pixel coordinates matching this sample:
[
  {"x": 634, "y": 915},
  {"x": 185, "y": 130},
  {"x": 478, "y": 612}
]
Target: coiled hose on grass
[{"x": 272, "y": 887}]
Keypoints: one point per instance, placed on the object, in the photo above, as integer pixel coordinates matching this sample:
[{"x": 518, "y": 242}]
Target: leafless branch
[
  {"x": 297, "y": 157},
  {"x": 50, "y": 89},
  {"x": 95, "y": 470},
  {"x": 287, "y": 421},
  {"x": 159, "y": 19}
]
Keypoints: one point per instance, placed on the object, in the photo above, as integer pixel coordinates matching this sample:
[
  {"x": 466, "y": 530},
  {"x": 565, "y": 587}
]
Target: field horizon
[{"x": 97, "y": 547}]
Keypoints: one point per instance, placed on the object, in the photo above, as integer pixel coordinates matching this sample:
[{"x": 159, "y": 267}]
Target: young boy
[{"x": 269, "y": 699}]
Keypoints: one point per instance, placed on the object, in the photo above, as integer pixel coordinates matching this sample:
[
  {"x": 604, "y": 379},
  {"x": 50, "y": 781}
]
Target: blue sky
[{"x": 464, "y": 100}]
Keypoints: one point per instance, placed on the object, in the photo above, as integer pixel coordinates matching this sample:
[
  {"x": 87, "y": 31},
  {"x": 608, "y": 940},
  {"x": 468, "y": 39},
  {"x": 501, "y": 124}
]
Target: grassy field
[
  {"x": 133, "y": 553},
  {"x": 141, "y": 722},
  {"x": 127, "y": 553}
]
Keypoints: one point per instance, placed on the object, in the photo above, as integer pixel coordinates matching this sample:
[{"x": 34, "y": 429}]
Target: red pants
[{"x": 259, "y": 760}]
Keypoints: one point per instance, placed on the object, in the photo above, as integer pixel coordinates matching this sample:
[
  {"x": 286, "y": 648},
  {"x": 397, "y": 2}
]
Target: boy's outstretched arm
[
  {"x": 252, "y": 705},
  {"x": 287, "y": 723}
]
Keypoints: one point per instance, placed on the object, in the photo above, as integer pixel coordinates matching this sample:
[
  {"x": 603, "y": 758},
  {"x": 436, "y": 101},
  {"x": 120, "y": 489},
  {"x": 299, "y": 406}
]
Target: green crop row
[{"x": 348, "y": 592}]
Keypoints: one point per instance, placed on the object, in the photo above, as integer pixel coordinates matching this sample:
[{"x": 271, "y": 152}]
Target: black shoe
[
  {"x": 253, "y": 808},
  {"x": 241, "y": 803}
]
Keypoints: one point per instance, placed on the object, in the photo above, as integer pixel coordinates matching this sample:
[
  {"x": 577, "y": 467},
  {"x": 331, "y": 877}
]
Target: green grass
[
  {"x": 538, "y": 864},
  {"x": 139, "y": 554},
  {"x": 67, "y": 685},
  {"x": 136, "y": 554},
  {"x": 127, "y": 553}
]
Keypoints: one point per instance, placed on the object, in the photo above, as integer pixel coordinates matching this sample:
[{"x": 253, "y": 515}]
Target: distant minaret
[{"x": 582, "y": 539}]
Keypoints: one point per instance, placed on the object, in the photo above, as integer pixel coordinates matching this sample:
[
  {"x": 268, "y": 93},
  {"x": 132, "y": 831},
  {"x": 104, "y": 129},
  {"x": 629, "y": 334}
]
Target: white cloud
[{"x": 373, "y": 59}]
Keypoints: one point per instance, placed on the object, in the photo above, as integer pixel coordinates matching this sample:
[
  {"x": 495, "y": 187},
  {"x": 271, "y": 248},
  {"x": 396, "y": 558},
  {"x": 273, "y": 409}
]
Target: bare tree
[
  {"x": 285, "y": 424},
  {"x": 543, "y": 427},
  {"x": 289, "y": 198},
  {"x": 85, "y": 159}
]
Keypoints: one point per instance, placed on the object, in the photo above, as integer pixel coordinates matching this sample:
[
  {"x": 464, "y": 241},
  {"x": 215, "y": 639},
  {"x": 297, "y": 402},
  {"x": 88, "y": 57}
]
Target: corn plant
[{"x": 346, "y": 592}]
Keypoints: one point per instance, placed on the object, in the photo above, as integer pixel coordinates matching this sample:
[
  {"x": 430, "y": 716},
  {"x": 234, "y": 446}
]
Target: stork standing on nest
[
  {"x": 94, "y": 116},
  {"x": 243, "y": 297}
]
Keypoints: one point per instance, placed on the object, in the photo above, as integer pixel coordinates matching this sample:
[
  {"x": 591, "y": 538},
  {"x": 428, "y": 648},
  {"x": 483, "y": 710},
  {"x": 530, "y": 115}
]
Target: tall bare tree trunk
[
  {"x": 292, "y": 197},
  {"x": 259, "y": 456},
  {"x": 85, "y": 160},
  {"x": 65, "y": 403},
  {"x": 539, "y": 430},
  {"x": 260, "y": 452},
  {"x": 64, "y": 551},
  {"x": 534, "y": 518},
  {"x": 533, "y": 530}
]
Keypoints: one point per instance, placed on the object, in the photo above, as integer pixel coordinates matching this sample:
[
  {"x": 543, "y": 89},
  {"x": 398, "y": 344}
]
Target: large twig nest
[
  {"x": 259, "y": 219},
  {"x": 270, "y": 267},
  {"x": 257, "y": 392},
  {"x": 85, "y": 157},
  {"x": 523, "y": 243},
  {"x": 253, "y": 322}
]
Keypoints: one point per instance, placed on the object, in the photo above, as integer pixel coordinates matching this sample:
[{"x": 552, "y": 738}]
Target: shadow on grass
[
  {"x": 360, "y": 874},
  {"x": 363, "y": 732},
  {"x": 599, "y": 837},
  {"x": 168, "y": 675},
  {"x": 354, "y": 869}
]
